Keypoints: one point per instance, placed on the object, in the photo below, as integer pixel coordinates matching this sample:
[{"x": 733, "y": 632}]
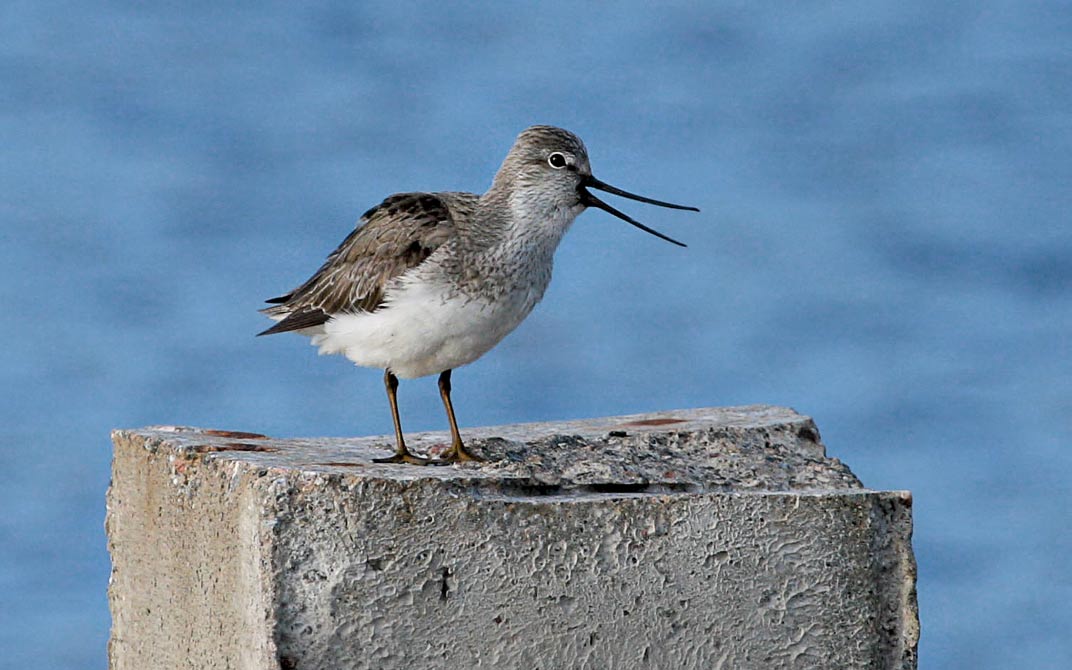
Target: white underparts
[{"x": 424, "y": 329}]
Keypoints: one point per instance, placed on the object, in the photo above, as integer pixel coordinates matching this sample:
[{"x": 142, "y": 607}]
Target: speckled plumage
[{"x": 431, "y": 281}]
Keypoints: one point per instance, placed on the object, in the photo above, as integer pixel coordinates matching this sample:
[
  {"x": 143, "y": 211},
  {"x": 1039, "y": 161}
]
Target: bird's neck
[{"x": 525, "y": 220}]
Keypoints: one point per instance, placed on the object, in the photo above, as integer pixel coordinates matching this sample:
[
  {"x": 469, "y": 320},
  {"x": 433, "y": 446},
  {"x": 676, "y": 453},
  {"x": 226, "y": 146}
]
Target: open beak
[{"x": 589, "y": 200}]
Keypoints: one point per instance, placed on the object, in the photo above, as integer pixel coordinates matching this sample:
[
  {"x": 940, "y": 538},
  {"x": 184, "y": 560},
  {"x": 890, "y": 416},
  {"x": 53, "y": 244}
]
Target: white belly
[{"x": 419, "y": 332}]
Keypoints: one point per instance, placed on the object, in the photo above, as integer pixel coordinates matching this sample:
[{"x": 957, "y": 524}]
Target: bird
[{"x": 429, "y": 282}]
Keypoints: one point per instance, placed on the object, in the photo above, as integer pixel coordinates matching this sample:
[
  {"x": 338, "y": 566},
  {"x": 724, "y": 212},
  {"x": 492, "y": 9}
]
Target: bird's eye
[{"x": 556, "y": 160}]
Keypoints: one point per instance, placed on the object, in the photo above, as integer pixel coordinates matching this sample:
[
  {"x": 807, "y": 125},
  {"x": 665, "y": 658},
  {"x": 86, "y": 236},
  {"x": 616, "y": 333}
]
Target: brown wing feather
[{"x": 395, "y": 236}]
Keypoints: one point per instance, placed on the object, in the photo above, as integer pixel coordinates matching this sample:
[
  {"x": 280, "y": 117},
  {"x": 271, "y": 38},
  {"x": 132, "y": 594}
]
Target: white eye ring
[{"x": 557, "y": 160}]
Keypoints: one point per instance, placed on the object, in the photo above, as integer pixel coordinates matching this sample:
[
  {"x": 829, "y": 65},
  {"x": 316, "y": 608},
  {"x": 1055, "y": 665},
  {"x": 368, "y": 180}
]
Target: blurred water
[{"x": 884, "y": 245}]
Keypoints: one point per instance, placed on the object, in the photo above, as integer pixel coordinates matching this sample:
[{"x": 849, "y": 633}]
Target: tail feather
[{"x": 309, "y": 318}]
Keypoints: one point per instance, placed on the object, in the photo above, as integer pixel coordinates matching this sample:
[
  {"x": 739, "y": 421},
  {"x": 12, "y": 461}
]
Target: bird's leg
[
  {"x": 457, "y": 451},
  {"x": 402, "y": 454}
]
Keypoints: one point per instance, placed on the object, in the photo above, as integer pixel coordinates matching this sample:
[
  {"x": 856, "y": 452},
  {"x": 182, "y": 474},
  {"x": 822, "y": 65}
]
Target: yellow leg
[
  {"x": 457, "y": 452},
  {"x": 402, "y": 454}
]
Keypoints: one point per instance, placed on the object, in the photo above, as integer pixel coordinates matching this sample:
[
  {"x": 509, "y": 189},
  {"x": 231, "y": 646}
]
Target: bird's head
[{"x": 548, "y": 166}]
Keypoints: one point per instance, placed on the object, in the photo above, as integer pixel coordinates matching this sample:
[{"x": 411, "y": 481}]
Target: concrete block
[{"x": 706, "y": 538}]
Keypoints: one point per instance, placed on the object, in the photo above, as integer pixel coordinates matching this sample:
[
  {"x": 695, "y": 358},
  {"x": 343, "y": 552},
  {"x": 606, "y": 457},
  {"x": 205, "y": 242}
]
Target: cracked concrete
[{"x": 694, "y": 538}]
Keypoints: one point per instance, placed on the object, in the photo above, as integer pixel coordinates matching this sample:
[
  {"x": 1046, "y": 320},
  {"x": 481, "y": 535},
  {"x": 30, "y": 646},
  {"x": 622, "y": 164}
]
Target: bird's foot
[
  {"x": 458, "y": 454},
  {"x": 405, "y": 457}
]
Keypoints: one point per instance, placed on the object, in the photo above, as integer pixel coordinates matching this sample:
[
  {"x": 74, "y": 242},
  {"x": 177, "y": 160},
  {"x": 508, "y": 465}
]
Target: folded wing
[{"x": 398, "y": 234}]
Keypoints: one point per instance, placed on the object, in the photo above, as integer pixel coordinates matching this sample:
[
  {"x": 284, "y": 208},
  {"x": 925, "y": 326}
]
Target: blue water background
[{"x": 885, "y": 245}]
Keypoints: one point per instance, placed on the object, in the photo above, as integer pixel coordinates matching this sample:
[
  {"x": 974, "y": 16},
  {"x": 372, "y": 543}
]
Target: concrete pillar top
[{"x": 749, "y": 448}]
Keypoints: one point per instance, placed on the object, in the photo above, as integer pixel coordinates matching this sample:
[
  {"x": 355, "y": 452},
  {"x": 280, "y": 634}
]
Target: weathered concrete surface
[{"x": 710, "y": 538}]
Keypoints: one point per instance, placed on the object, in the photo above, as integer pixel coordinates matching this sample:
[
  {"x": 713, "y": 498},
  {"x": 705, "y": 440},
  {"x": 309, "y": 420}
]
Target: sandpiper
[{"x": 428, "y": 282}]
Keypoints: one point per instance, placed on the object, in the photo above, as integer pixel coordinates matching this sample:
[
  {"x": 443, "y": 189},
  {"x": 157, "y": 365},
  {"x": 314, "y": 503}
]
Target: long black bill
[{"x": 590, "y": 200}]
